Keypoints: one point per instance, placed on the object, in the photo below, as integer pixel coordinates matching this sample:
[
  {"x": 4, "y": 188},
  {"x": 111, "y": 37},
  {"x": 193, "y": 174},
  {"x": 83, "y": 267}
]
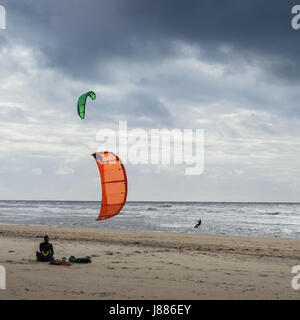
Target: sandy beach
[{"x": 147, "y": 265}]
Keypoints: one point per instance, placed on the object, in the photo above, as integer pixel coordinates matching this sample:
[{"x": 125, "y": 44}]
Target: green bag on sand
[{"x": 80, "y": 260}]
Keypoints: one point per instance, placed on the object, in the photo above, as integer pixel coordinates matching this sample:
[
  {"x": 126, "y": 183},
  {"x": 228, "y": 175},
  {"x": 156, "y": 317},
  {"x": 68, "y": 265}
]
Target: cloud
[
  {"x": 37, "y": 171},
  {"x": 109, "y": 31},
  {"x": 230, "y": 68},
  {"x": 64, "y": 171}
]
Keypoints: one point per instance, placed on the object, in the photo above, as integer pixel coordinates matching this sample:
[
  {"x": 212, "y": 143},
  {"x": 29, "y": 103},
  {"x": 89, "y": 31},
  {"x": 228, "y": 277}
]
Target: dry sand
[{"x": 147, "y": 265}]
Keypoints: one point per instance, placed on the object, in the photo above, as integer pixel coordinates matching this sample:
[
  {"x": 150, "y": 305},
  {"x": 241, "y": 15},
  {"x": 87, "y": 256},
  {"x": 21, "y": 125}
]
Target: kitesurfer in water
[
  {"x": 46, "y": 251},
  {"x": 198, "y": 224}
]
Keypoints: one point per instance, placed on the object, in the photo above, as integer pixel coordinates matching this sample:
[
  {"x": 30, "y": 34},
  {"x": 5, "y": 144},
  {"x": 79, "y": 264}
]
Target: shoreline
[
  {"x": 159, "y": 239},
  {"x": 147, "y": 265},
  {"x": 6, "y": 227}
]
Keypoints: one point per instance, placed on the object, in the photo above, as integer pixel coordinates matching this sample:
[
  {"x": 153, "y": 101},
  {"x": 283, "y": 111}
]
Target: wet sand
[{"x": 147, "y": 265}]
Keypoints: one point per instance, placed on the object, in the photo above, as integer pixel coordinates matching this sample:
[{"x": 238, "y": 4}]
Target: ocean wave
[
  {"x": 266, "y": 220},
  {"x": 272, "y": 213}
]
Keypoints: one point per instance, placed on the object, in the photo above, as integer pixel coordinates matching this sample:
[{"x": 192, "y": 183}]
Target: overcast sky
[{"x": 230, "y": 67}]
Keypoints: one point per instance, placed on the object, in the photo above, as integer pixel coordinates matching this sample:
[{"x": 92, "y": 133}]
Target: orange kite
[{"x": 114, "y": 184}]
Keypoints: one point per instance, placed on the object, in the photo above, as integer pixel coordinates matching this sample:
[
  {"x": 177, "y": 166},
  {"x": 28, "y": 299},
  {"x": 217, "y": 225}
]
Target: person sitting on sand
[
  {"x": 46, "y": 251},
  {"x": 198, "y": 224}
]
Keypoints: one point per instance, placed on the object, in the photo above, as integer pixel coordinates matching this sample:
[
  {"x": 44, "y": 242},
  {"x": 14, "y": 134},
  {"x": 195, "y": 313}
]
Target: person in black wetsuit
[
  {"x": 198, "y": 224},
  {"x": 46, "y": 251}
]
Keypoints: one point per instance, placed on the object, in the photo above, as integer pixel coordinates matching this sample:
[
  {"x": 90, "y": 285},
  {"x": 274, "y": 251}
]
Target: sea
[{"x": 273, "y": 220}]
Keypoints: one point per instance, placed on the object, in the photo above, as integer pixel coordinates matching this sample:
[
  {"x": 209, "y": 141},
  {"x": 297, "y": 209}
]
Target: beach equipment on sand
[
  {"x": 82, "y": 102},
  {"x": 61, "y": 262},
  {"x": 114, "y": 184},
  {"x": 80, "y": 260}
]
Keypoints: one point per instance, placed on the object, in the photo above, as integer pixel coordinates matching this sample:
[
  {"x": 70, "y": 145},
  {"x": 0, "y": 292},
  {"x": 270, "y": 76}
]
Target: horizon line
[{"x": 171, "y": 201}]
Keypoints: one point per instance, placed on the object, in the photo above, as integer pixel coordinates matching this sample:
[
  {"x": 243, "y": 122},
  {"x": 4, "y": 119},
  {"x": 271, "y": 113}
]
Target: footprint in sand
[
  {"x": 77, "y": 292},
  {"x": 103, "y": 294}
]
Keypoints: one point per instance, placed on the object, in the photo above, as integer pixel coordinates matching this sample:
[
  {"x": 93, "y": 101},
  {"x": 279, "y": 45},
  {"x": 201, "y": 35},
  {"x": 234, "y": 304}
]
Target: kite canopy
[
  {"x": 82, "y": 101},
  {"x": 114, "y": 184}
]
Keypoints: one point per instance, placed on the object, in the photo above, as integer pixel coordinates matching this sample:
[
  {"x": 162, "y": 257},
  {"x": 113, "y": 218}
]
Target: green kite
[{"x": 82, "y": 101}]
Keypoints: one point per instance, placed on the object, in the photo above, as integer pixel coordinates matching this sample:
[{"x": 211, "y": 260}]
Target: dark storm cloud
[
  {"x": 82, "y": 37},
  {"x": 228, "y": 67},
  {"x": 140, "y": 109}
]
